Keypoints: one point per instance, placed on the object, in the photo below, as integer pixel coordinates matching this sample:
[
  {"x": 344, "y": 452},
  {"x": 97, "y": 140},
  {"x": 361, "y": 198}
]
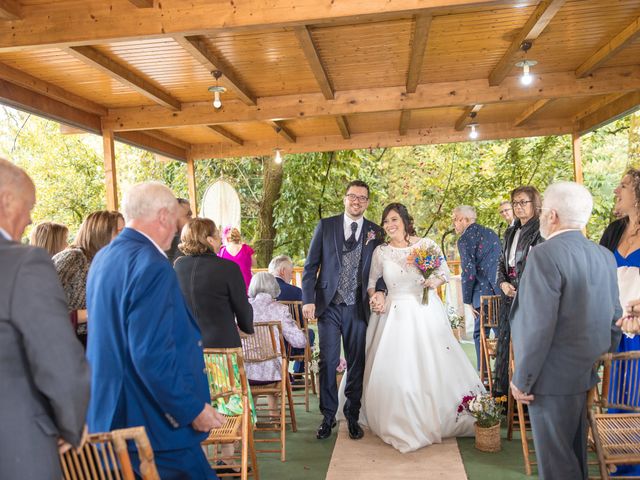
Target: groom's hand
[
  {"x": 520, "y": 396},
  {"x": 309, "y": 311}
]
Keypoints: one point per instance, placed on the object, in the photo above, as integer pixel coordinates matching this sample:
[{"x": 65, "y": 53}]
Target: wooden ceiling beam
[
  {"x": 40, "y": 86},
  {"x": 313, "y": 58},
  {"x": 224, "y": 133},
  {"x": 99, "y": 23},
  {"x": 613, "y": 110},
  {"x": 434, "y": 95},
  {"x": 405, "y": 118},
  {"x": 198, "y": 49},
  {"x": 282, "y": 131},
  {"x": 10, "y": 10},
  {"x": 425, "y": 136},
  {"x": 93, "y": 57},
  {"x": 466, "y": 117},
  {"x": 152, "y": 144},
  {"x": 596, "y": 105},
  {"x": 422, "y": 23},
  {"x": 607, "y": 51},
  {"x": 533, "y": 27},
  {"x": 167, "y": 138},
  {"x": 142, "y": 3},
  {"x": 530, "y": 111},
  {"x": 343, "y": 126}
]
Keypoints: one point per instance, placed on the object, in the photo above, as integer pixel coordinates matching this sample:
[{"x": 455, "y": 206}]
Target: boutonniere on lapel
[{"x": 371, "y": 235}]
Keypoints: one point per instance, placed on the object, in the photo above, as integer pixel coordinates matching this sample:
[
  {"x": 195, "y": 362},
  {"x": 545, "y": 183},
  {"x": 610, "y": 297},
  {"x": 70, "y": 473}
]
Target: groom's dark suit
[{"x": 339, "y": 312}]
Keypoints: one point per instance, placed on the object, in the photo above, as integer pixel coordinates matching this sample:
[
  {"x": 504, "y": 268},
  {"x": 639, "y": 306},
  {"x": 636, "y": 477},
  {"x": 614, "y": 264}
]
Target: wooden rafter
[
  {"x": 162, "y": 146},
  {"x": 98, "y": 23},
  {"x": 405, "y": 118},
  {"x": 10, "y": 10},
  {"x": 198, "y": 49},
  {"x": 167, "y": 139},
  {"x": 341, "y": 120},
  {"x": 447, "y": 94},
  {"x": 466, "y": 117},
  {"x": 425, "y": 136},
  {"x": 223, "y": 132},
  {"x": 282, "y": 131},
  {"x": 93, "y": 57},
  {"x": 533, "y": 27},
  {"x": 618, "y": 108},
  {"x": 142, "y": 3},
  {"x": 313, "y": 58},
  {"x": 596, "y": 105},
  {"x": 530, "y": 111},
  {"x": 606, "y": 52},
  {"x": 422, "y": 23}
]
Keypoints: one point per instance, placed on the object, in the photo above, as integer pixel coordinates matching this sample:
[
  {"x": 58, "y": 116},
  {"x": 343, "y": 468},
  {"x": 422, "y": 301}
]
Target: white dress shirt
[
  {"x": 4, "y": 233},
  {"x": 347, "y": 226},
  {"x": 152, "y": 241}
]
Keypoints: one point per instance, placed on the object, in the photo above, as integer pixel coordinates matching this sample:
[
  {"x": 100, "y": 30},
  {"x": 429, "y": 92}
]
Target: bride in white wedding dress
[{"x": 416, "y": 372}]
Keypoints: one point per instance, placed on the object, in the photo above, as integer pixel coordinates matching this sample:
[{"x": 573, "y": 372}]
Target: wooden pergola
[{"x": 317, "y": 75}]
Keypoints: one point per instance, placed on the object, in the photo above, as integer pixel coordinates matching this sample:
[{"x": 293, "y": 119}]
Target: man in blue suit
[
  {"x": 144, "y": 346},
  {"x": 479, "y": 249},
  {"x": 281, "y": 267},
  {"x": 341, "y": 249}
]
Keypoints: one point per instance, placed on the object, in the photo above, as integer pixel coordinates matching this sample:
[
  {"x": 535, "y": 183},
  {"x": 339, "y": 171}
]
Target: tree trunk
[
  {"x": 266, "y": 232},
  {"x": 634, "y": 141}
]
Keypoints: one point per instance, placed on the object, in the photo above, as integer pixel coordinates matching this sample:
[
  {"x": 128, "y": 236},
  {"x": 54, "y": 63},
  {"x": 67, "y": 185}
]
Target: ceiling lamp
[
  {"x": 278, "y": 157},
  {"x": 217, "y": 90},
  {"x": 473, "y": 134},
  {"x": 526, "y": 78}
]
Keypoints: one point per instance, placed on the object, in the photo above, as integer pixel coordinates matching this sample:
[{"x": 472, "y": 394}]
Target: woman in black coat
[
  {"x": 518, "y": 241},
  {"x": 212, "y": 286}
]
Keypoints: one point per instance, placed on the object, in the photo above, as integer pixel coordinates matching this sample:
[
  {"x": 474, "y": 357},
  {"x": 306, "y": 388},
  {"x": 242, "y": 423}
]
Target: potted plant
[
  {"x": 488, "y": 412},
  {"x": 455, "y": 321}
]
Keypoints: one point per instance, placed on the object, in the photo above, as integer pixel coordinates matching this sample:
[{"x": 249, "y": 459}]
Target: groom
[{"x": 341, "y": 249}]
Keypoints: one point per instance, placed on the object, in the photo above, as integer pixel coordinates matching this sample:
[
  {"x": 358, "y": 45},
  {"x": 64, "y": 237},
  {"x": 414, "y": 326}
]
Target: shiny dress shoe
[
  {"x": 355, "y": 430},
  {"x": 324, "y": 431}
]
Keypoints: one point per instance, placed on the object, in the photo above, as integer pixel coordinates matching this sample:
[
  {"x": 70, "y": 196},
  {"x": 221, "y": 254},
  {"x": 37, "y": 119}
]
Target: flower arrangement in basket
[
  {"x": 488, "y": 412},
  {"x": 427, "y": 260},
  {"x": 315, "y": 363},
  {"x": 455, "y": 321}
]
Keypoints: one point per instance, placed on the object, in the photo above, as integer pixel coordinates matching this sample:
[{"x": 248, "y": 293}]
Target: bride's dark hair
[{"x": 407, "y": 219}]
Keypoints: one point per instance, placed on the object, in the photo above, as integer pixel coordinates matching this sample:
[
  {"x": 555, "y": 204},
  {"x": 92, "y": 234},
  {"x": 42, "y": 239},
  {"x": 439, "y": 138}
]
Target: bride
[{"x": 416, "y": 373}]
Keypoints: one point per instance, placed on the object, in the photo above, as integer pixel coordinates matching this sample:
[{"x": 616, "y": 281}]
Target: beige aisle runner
[{"x": 372, "y": 459}]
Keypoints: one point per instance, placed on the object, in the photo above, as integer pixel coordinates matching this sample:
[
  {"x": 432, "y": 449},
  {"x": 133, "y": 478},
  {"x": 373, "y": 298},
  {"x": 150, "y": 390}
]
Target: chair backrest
[
  {"x": 266, "y": 343},
  {"x": 105, "y": 456},
  {"x": 490, "y": 311},
  {"x": 295, "y": 309},
  {"x": 220, "y": 372},
  {"x": 620, "y": 386}
]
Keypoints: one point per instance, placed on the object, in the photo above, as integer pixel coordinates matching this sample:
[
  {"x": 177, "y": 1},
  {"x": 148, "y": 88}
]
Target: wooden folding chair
[
  {"x": 307, "y": 376},
  {"x": 489, "y": 318},
  {"x": 225, "y": 386},
  {"x": 105, "y": 456},
  {"x": 616, "y": 436},
  {"x": 267, "y": 343},
  {"x": 518, "y": 416}
]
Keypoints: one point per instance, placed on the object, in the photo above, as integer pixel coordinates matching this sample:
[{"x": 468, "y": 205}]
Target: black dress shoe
[
  {"x": 324, "y": 431},
  {"x": 355, "y": 430}
]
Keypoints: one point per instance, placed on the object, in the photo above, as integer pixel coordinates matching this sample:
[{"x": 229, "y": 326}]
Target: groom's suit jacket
[
  {"x": 325, "y": 254},
  {"x": 563, "y": 317}
]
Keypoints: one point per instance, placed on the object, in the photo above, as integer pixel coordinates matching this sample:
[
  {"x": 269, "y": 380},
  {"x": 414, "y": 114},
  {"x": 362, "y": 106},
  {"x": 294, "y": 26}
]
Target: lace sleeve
[
  {"x": 443, "y": 271},
  {"x": 375, "y": 271}
]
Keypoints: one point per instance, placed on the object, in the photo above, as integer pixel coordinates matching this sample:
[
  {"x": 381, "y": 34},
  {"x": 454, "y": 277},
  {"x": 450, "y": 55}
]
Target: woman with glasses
[{"x": 519, "y": 238}]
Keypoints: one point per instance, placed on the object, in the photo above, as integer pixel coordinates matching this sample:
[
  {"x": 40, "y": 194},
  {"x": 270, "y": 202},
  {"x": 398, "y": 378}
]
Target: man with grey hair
[
  {"x": 479, "y": 249},
  {"x": 44, "y": 376},
  {"x": 562, "y": 320},
  {"x": 144, "y": 346}
]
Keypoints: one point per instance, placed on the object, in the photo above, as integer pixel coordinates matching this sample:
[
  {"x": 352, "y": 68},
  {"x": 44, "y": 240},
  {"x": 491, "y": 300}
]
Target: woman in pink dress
[{"x": 238, "y": 252}]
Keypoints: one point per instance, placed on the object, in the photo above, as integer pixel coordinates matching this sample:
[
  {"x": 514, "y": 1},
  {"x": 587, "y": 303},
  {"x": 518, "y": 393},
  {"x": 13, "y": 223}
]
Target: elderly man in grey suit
[
  {"x": 562, "y": 320},
  {"x": 44, "y": 377}
]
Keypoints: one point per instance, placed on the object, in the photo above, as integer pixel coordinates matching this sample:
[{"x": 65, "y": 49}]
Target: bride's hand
[{"x": 377, "y": 302}]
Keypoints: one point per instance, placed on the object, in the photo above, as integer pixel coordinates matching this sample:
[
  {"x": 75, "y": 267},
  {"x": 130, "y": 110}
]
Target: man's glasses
[
  {"x": 505, "y": 210},
  {"x": 360, "y": 198},
  {"x": 521, "y": 203}
]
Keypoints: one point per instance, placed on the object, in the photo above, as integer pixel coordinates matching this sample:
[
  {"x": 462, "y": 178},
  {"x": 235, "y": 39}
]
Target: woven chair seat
[
  {"x": 229, "y": 432},
  {"x": 620, "y": 434}
]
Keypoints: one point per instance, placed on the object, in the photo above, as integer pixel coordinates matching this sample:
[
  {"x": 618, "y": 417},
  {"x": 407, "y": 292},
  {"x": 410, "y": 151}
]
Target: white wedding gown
[{"x": 416, "y": 372}]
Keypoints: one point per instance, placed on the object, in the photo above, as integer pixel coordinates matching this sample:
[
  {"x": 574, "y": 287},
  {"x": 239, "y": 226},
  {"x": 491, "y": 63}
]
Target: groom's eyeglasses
[{"x": 360, "y": 198}]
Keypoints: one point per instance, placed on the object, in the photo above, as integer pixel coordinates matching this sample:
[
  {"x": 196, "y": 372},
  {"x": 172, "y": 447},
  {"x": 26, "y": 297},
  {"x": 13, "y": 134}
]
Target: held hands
[
  {"x": 521, "y": 397},
  {"x": 508, "y": 289},
  {"x": 630, "y": 322},
  {"x": 309, "y": 311},
  {"x": 207, "y": 419},
  {"x": 376, "y": 302}
]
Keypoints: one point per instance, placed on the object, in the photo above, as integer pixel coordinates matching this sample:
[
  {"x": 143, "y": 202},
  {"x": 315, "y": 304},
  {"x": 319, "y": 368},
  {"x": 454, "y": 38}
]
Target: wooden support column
[
  {"x": 110, "y": 178},
  {"x": 191, "y": 183},
  {"x": 577, "y": 158}
]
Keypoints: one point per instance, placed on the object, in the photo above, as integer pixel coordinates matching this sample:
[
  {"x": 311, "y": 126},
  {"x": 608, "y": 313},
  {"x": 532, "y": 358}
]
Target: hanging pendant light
[
  {"x": 473, "y": 134},
  {"x": 526, "y": 78},
  {"x": 277, "y": 158},
  {"x": 217, "y": 90}
]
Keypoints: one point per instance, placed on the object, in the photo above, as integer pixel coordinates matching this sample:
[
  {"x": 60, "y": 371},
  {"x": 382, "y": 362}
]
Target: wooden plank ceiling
[{"x": 317, "y": 75}]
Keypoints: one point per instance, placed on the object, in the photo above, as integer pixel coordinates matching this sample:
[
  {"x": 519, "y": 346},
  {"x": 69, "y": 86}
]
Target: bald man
[{"x": 44, "y": 377}]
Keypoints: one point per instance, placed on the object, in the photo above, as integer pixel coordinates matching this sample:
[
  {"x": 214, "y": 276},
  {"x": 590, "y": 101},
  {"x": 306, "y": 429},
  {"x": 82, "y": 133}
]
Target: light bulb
[
  {"x": 473, "y": 134},
  {"x": 278, "y": 157},
  {"x": 526, "y": 78},
  {"x": 216, "y": 100}
]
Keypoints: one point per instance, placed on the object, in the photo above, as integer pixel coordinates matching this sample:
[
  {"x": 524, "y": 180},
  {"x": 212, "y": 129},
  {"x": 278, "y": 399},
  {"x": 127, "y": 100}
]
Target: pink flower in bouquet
[
  {"x": 427, "y": 260},
  {"x": 342, "y": 366}
]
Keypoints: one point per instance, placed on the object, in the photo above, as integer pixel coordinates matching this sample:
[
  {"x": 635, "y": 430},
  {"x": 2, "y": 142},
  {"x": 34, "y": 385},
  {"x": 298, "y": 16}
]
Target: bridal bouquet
[
  {"x": 486, "y": 409},
  {"x": 427, "y": 260}
]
